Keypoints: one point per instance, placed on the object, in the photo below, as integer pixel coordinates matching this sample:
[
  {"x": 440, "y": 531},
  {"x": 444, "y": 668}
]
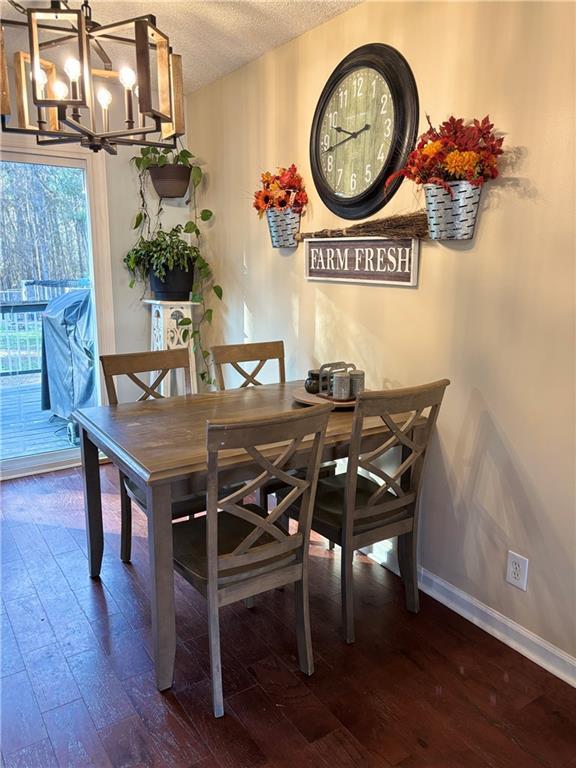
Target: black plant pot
[
  {"x": 170, "y": 180},
  {"x": 176, "y": 286}
]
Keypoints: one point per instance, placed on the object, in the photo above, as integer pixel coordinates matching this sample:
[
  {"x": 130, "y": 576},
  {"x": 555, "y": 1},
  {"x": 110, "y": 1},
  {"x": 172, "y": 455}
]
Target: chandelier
[{"x": 75, "y": 80}]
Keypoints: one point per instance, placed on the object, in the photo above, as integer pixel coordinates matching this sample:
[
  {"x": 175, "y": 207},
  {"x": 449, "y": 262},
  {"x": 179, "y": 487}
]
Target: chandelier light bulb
[
  {"x": 72, "y": 69},
  {"x": 60, "y": 90},
  {"x": 127, "y": 78},
  {"x": 104, "y": 98},
  {"x": 40, "y": 77}
]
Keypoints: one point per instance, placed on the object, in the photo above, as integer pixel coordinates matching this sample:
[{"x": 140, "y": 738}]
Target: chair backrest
[
  {"x": 260, "y": 353},
  {"x": 410, "y": 415},
  {"x": 162, "y": 361},
  {"x": 269, "y": 445}
]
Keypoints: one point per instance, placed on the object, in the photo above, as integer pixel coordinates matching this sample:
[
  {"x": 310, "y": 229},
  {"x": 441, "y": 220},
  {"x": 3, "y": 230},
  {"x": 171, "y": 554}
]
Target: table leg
[
  {"x": 92, "y": 503},
  {"x": 159, "y": 510}
]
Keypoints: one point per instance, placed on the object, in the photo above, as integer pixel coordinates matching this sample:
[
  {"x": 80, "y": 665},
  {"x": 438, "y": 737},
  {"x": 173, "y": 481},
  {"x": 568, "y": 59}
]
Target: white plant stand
[{"x": 166, "y": 334}]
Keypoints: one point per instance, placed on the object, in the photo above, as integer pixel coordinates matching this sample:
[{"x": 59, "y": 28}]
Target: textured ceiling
[{"x": 216, "y": 36}]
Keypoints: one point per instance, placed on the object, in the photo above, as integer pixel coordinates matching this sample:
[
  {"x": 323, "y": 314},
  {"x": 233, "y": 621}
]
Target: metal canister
[
  {"x": 356, "y": 383},
  {"x": 341, "y": 386}
]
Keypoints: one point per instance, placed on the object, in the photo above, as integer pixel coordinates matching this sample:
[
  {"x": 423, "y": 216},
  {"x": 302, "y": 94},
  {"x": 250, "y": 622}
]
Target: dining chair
[
  {"x": 259, "y": 353},
  {"x": 234, "y": 354},
  {"x": 356, "y": 511},
  {"x": 161, "y": 362},
  {"x": 237, "y": 550}
]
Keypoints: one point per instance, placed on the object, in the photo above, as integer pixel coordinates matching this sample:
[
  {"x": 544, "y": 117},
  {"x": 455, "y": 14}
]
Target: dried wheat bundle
[{"x": 395, "y": 227}]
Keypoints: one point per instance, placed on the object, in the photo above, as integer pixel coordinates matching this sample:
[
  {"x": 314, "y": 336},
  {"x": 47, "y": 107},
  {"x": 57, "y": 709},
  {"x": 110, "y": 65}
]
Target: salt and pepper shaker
[
  {"x": 356, "y": 383},
  {"x": 341, "y": 386}
]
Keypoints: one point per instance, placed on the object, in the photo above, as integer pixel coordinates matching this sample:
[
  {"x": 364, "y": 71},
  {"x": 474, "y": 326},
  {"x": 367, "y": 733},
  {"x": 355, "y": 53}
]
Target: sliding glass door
[{"x": 47, "y": 313}]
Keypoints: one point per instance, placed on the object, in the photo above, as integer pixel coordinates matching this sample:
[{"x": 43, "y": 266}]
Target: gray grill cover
[{"x": 68, "y": 373}]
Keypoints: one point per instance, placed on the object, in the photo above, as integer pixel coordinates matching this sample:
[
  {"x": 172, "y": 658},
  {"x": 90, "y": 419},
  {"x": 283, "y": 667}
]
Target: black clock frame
[{"x": 396, "y": 71}]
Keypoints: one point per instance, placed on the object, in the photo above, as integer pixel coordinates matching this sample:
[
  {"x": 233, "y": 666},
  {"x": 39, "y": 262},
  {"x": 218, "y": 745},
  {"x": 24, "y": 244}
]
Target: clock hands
[
  {"x": 352, "y": 135},
  {"x": 339, "y": 129}
]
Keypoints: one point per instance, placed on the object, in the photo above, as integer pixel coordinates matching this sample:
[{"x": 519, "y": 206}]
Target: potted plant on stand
[
  {"x": 166, "y": 260},
  {"x": 283, "y": 200},
  {"x": 452, "y": 163},
  {"x": 173, "y": 265}
]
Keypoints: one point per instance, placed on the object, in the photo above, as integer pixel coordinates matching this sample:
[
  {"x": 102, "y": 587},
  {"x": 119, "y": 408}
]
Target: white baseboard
[{"x": 534, "y": 647}]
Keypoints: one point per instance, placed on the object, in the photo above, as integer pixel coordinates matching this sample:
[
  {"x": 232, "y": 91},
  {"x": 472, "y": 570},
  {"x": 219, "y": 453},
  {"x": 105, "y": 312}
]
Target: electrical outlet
[{"x": 517, "y": 571}]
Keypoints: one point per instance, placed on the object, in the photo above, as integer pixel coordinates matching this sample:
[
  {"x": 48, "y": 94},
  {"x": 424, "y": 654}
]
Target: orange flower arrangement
[
  {"x": 454, "y": 152},
  {"x": 281, "y": 191}
]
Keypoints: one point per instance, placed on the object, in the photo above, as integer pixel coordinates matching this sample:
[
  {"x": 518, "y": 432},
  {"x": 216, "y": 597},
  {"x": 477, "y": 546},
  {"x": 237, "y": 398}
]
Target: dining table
[{"x": 160, "y": 445}]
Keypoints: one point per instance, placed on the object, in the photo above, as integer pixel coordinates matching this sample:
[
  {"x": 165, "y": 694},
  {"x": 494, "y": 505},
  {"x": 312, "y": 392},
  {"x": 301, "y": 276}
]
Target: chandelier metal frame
[{"x": 59, "y": 120}]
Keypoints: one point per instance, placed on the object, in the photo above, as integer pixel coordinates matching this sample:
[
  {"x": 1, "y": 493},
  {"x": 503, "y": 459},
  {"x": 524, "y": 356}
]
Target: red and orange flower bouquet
[
  {"x": 456, "y": 151},
  {"x": 283, "y": 200},
  {"x": 281, "y": 191}
]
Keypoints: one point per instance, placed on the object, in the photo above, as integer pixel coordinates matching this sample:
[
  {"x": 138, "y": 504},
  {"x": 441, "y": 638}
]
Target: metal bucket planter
[
  {"x": 452, "y": 217},
  {"x": 283, "y": 226}
]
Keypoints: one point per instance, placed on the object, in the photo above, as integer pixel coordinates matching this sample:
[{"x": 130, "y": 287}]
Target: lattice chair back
[
  {"x": 259, "y": 353},
  {"x": 261, "y": 544},
  {"x": 410, "y": 415},
  {"x": 160, "y": 362}
]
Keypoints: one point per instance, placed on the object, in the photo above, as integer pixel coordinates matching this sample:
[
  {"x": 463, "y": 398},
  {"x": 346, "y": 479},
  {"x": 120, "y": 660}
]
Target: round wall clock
[{"x": 364, "y": 127}]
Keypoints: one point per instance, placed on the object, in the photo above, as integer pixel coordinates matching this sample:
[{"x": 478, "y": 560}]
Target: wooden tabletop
[{"x": 164, "y": 440}]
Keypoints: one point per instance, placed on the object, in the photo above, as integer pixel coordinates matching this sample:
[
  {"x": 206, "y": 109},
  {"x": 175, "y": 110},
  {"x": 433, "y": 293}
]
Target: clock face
[
  {"x": 356, "y": 130},
  {"x": 365, "y": 124}
]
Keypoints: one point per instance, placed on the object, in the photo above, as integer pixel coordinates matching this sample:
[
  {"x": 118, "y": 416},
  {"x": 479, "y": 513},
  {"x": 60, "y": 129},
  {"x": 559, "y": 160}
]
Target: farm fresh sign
[{"x": 363, "y": 260}]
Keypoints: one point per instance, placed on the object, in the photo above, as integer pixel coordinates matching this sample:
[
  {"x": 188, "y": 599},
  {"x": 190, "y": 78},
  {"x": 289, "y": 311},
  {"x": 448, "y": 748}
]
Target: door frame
[{"x": 17, "y": 147}]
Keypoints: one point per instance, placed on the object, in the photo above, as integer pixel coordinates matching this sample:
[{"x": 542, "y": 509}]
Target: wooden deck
[{"x": 24, "y": 428}]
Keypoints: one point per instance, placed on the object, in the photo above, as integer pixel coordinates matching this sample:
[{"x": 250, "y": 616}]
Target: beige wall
[{"x": 496, "y": 316}]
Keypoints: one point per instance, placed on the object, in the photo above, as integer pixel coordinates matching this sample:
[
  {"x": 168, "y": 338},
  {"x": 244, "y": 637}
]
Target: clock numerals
[
  {"x": 358, "y": 86},
  {"x": 355, "y": 132}
]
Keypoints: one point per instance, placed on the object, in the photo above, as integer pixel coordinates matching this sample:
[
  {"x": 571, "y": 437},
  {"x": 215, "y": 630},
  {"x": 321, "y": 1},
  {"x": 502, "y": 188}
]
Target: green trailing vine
[{"x": 159, "y": 251}]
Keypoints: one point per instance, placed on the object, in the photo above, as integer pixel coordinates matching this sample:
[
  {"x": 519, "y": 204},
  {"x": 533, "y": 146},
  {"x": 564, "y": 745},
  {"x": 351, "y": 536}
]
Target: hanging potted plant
[
  {"x": 452, "y": 163},
  {"x": 283, "y": 200},
  {"x": 169, "y": 169}
]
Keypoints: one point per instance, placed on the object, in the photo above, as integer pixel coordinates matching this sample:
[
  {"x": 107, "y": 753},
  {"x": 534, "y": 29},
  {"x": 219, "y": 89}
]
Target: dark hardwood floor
[{"x": 426, "y": 691}]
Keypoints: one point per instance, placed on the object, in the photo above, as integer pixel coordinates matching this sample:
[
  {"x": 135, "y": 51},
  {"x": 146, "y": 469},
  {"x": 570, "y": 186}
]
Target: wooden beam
[
  {"x": 177, "y": 126},
  {"x": 4, "y": 84}
]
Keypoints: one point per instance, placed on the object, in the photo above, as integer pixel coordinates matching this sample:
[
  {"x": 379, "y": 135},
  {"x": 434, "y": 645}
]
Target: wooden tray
[{"x": 305, "y": 398}]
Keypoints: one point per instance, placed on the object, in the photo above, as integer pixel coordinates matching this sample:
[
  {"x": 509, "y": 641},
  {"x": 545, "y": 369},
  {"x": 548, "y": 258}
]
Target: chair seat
[
  {"x": 329, "y": 504},
  {"x": 189, "y": 545},
  {"x": 188, "y": 505}
]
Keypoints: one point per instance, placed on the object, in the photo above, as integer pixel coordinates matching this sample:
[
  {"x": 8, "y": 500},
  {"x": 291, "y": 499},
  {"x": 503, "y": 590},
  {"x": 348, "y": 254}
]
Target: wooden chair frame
[
  {"x": 234, "y": 354},
  {"x": 129, "y": 364},
  {"x": 254, "y": 567},
  {"x": 161, "y": 361},
  {"x": 402, "y": 411}
]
